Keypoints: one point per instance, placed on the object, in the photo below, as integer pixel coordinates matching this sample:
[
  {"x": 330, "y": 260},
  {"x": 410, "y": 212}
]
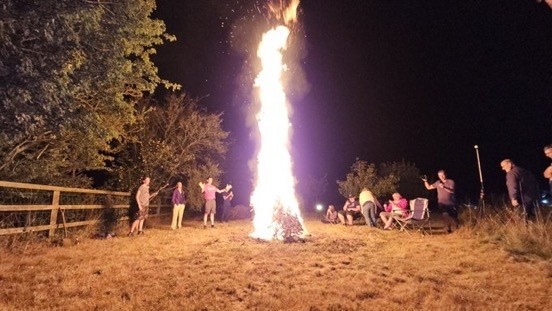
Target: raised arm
[
  {"x": 228, "y": 187},
  {"x": 427, "y": 185}
]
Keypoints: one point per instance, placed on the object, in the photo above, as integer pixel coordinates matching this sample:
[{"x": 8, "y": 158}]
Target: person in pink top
[
  {"x": 209, "y": 193},
  {"x": 398, "y": 207}
]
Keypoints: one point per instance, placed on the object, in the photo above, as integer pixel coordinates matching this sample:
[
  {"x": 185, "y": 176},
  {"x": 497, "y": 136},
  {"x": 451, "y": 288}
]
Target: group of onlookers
[
  {"x": 209, "y": 193},
  {"x": 523, "y": 187},
  {"x": 178, "y": 200},
  {"x": 522, "y": 192},
  {"x": 370, "y": 208}
]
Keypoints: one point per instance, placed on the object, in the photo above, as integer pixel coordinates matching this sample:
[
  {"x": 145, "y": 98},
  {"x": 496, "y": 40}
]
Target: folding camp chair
[{"x": 417, "y": 218}]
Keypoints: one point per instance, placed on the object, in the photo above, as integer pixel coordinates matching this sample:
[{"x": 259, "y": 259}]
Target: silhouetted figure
[{"x": 522, "y": 188}]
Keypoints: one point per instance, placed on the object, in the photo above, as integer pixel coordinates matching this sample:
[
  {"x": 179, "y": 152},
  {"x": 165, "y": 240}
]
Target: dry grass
[
  {"x": 509, "y": 230},
  {"x": 338, "y": 268}
]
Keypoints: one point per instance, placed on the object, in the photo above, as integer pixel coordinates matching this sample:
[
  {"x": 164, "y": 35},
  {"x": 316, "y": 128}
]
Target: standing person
[
  {"x": 350, "y": 209},
  {"x": 179, "y": 204},
  {"x": 368, "y": 205},
  {"x": 209, "y": 193},
  {"x": 522, "y": 188},
  {"x": 227, "y": 196},
  {"x": 548, "y": 171},
  {"x": 445, "y": 199},
  {"x": 142, "y": 198}
]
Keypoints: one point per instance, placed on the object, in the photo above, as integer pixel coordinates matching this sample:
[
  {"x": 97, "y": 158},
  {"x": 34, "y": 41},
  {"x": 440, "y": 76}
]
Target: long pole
[
  {"x": 479, "y": 167},
  {"x": 482, "y": 193}
]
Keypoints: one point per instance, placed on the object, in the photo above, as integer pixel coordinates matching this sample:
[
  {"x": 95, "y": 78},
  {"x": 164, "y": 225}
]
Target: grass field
[{"x": 337, "y": 268}]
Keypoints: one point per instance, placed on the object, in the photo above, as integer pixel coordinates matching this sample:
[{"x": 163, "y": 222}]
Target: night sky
[{"x": 422, "y": 81}]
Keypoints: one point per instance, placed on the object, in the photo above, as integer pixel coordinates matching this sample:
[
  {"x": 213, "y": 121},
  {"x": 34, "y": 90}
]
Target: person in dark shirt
[
  {"x": 445, "y": 198},
  {"x": 522, "y": 188},
  {"x": 351, "y": 208},
  {"x": 227, "y": 195},
  {"x": 179, "y": 204}
]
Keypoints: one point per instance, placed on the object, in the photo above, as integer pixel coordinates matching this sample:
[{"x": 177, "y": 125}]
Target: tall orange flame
[
  {"x": 287, "y": 13},
  {"x": 274, "y": 192}
]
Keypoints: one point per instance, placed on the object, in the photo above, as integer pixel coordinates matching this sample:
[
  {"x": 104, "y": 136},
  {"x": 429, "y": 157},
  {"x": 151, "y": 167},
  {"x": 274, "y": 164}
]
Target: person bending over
[{"x": 368, "y": 205}]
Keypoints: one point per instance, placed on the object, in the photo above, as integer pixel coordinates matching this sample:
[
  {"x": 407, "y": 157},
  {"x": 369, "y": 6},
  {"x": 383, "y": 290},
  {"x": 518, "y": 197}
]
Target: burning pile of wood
[{"x": 287, "y": 226}]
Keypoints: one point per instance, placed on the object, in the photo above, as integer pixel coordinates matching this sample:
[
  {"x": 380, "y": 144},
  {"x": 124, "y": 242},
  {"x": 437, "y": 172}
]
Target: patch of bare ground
[{"x": 337, "y": 268}]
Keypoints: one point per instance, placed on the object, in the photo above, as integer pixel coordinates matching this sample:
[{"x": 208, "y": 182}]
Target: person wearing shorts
[
  {"x": 351, "y": 208},
  {"x": 142, "y": 199},
  {"x": 209, "y": 193}
]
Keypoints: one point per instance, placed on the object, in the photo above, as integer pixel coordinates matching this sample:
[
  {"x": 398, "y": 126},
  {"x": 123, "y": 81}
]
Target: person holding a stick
[
  {"x": 445, "y": 199},
  {"x": 209, "y": 193},
  {"x": 143, "y": 198}
]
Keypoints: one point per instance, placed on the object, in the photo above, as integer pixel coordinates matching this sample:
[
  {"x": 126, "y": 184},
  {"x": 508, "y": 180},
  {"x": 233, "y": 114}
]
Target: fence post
[{"x": 53, "y": 213}]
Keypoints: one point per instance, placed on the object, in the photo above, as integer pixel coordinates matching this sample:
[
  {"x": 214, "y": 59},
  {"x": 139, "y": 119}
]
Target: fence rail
[{"x": 56, "y": 208}]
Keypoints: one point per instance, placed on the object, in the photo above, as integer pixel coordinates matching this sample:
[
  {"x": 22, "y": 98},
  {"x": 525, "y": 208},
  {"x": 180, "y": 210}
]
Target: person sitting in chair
[
  {"x": 351, "y": 208},
  {"x": 397, "y": 207}
]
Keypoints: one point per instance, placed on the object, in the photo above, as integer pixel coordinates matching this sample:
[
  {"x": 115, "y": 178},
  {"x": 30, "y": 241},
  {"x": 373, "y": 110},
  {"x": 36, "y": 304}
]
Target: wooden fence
[{"x": 57, "y": 206}]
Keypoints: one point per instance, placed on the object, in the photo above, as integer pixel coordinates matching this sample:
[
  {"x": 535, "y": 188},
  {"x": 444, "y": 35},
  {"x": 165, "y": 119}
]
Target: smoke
[{"x": 250, "y": 19}]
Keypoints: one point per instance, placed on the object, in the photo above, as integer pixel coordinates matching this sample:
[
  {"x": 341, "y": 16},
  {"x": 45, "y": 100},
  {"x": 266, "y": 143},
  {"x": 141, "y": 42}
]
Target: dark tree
[{"x": 70, "y": 75}]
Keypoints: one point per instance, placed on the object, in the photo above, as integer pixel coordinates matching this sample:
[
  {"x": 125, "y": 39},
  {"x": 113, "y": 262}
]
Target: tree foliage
[
  {"x": 409, "y": 183},
  {"x": 366, "y": 175},
  {"x": 173, "y": 141},
  {"x": 70, "y": 74},
  {"x": 391, "y": 177}
]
